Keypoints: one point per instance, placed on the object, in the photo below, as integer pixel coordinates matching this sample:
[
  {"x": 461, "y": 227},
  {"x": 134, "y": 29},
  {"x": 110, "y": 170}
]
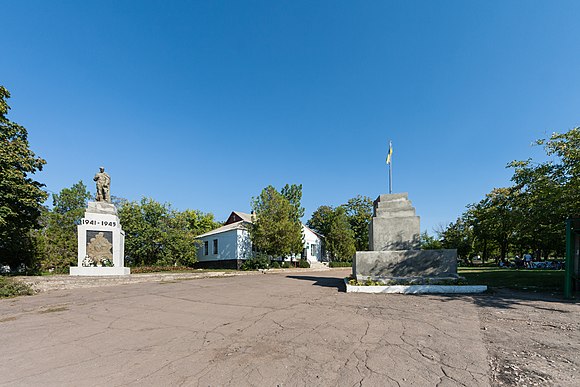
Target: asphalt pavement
[{"x": 284, "y": 329}]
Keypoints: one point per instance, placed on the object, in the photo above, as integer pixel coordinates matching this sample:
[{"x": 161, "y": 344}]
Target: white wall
[
  {"x": 227, "y": 246},
  {"x": 310, "y": 239},
  {"x": 244, "y": 250},
  {"x": 236, "y": 244}
]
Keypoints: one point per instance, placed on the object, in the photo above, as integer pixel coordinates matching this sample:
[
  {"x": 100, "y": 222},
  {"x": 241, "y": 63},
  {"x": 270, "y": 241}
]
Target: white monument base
[
  {"x": 101, "y": 242},
  {"x": 416, "y": 289},
  {"x": 99, "y": 271}
]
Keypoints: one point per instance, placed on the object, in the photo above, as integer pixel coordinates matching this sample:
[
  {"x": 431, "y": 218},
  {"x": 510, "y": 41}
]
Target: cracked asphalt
[{"x": 280, "y": 329}]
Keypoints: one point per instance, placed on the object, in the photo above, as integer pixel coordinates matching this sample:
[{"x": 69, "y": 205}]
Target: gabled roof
[
  {"x": 228, "y": 227},
  {"x": 312, "y": 231},
  {"x": 236, "y": 221},
  {"x": 236, "y": 216},
  {"x": 239, "y": 221}
]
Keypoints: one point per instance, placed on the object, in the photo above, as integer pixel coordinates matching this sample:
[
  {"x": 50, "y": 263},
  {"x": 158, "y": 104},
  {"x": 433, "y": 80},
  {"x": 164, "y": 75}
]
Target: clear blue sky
[{"x": 204, "y": 103}]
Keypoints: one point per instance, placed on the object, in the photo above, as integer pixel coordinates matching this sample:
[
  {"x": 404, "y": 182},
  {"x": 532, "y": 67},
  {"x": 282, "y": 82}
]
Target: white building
[{"x": 228, "y": 246}]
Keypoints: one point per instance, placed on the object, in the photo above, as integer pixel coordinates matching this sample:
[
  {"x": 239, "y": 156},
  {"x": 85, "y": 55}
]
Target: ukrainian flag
[{"x": 390, "y": 154}]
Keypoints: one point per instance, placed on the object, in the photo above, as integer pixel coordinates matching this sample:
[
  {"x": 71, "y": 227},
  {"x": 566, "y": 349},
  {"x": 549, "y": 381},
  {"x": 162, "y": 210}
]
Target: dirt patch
[
  {"x": 64, "y": 282},
  {"x": 532, "y": 339}
]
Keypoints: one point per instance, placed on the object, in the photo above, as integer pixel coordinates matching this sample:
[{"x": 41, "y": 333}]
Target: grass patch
[
  {"x": 12, "y": 288},
  {"x": 537, "y": 280},
  {"x": 339, "y": 264},
  {"x": 162, "y": 269}
]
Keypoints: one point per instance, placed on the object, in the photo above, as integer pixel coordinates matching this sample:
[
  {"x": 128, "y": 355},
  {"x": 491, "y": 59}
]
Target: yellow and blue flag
[{"x": 390, "y": 154}]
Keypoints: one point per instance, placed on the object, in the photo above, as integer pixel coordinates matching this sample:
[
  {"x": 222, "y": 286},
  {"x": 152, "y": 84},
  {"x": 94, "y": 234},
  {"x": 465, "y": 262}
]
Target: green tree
[
  {"x": 58, "y": 238},
  {"x": 333, "y": 224},
  {"x": 340, "y": 242},
  {"x": 155, "y": 234},
  {"x": 321, "y": 219},
  {"x": 293, "y": 193},
  {"x": 21, "y": 197},
  {"x": 276, "y": 230},
  {"x": 530, "y": 214},
  {"x": 459, "y": 235},
  {"x": 145, "y": 224},
  {"x": 359, "y": 211},
  {"x": 199, "y": 222},
  {"x": 429, "y": 242},
  {"x": 493, "y": 219}
]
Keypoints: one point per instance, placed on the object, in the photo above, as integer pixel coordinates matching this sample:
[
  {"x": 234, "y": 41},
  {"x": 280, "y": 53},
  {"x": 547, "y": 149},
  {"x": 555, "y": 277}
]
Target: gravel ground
[
  {"x": 532, "y": 339},
  {"x": 67, "y": 282}
]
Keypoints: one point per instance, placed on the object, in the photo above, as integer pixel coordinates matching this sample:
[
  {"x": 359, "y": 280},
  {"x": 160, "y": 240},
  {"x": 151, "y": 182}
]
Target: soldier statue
[{"x": 103, "y": 186}]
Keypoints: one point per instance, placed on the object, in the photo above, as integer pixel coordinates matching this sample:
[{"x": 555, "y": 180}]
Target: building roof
[
  {"x": 236, "y": 216},
  {"x": 236, "y": 221},
  {"x": 239, "y": 221},
  {"x": 228, "y": 227}
]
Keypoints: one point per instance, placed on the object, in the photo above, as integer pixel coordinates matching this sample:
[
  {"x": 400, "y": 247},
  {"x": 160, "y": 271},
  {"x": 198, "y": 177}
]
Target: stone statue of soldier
[{"x": 103, "y": 186}]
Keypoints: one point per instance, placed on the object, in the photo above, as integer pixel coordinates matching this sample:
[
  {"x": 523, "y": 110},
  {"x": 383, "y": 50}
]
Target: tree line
[
  {"x": 527, "y": 216},
  {"x": 155, "y": 233},
  {"x": 276, "y": 230},
  {"x": 345, "y": 227}
]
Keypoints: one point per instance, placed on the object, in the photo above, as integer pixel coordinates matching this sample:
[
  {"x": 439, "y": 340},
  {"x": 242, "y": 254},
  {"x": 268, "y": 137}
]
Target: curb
[{"x": 416, "y": 289}]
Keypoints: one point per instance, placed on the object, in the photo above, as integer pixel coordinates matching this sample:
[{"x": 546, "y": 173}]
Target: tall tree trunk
[{"x": 484, "y": 257}]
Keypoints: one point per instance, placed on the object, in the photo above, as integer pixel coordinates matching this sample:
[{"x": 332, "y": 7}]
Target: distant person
[
  {"x": 519, "y": 263},
  {"x": 528, "y": 260}
]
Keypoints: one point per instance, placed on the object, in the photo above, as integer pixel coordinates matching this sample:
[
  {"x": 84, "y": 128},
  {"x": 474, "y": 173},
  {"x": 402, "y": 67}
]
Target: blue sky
[{"x": 204, "y": 103}]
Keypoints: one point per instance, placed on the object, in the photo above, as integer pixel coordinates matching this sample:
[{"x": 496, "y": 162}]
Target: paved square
[{"x": 282, "y": 329}]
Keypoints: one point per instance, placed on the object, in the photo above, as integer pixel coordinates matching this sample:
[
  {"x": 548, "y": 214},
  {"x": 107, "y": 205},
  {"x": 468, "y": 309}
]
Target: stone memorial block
[
  {"x": 394, "y": 242},
  {"x": 394, "y": 225}
]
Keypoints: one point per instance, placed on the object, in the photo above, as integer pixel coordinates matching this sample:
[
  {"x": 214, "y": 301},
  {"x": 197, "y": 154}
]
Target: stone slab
[
  {"x": 101, "y": 208},
  {"x": 416, "y": 289},
  {"x": 400, "y": 233},
  {"x": 99, "y": 271},
  {"x": 404, "y": 264}
]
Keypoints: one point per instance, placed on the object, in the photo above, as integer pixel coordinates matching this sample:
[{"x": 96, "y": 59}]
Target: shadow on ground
[
  {"x": 327, "y": 282},
  {"x": 504, "y": 298}
]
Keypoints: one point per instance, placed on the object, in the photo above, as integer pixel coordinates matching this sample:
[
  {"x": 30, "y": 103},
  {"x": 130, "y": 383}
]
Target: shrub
[
  {"x": 157, "y": 269},
  {"x": 340, "y": 264},
  {"x": 274, "y": 265},
  {"x": 256, "y": 263},
  {"x": 11, "y": 288},
  {"x": 303, "y": 264},
  {"x": 286, "y": 265}
]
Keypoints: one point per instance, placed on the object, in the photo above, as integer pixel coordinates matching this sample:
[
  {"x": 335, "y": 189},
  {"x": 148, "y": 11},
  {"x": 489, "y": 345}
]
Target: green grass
[
  {"x": 11, "y": 288},
  {"x": 536, "y": 280}
]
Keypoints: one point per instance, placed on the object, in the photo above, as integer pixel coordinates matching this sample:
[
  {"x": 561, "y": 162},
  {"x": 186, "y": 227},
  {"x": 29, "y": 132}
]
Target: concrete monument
[
  {"x": 394, "y": 243},
  {"x": 101, "y": 241}
]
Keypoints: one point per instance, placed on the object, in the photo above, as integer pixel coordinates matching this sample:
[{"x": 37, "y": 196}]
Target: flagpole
[
  {"x": 391, "y": 177},
  {"x": 390, "y": 162}
]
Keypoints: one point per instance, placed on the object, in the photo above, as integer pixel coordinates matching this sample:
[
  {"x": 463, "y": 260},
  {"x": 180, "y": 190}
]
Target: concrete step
[{"x": 319, "y": 265}]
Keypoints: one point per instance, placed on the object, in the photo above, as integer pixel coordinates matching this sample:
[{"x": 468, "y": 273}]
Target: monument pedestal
[
  {"x": 101, "y": 242},
  {"x": 394, "y": 240},
  {"x": 405, "y": 264},
  {"x": 99, "y": 271}
]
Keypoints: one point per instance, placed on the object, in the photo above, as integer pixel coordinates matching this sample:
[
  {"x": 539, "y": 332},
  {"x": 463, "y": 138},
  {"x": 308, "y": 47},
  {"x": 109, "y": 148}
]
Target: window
[
  {"x": 205, "y": 248},
  {"x": 215, "y": 247},
  {"x": 313, "y": 249}
]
